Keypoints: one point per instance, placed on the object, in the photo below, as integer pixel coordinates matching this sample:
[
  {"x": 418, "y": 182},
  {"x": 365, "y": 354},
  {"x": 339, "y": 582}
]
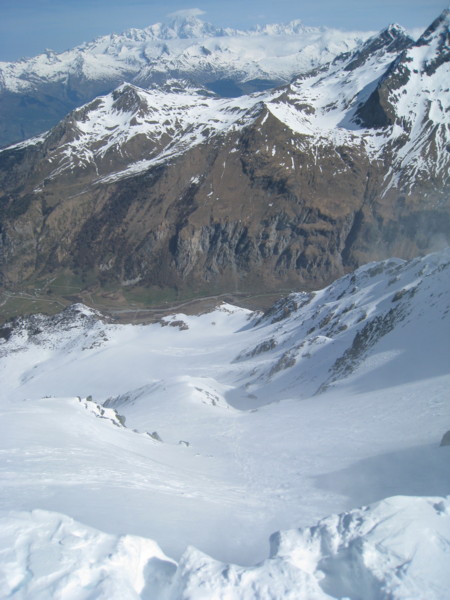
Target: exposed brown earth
[{"x": 257, "y": 209}]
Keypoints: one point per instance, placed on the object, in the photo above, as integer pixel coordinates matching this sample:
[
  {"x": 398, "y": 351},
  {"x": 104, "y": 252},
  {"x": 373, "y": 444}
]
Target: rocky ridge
[
  {"x": 314, "y": 341},
  {"x": 37, "y": 92},
  {"x": 290, "y": 188}
]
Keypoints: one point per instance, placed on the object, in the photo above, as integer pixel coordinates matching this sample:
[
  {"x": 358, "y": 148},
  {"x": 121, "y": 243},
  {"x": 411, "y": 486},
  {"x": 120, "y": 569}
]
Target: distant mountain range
[
  {"x": 174, "y": 188},
  {"x": 36, "y": 93}
]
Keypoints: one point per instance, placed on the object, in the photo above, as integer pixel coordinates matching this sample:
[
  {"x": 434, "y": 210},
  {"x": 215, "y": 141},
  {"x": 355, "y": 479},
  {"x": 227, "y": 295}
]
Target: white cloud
[{"x": 187, "y": 12}]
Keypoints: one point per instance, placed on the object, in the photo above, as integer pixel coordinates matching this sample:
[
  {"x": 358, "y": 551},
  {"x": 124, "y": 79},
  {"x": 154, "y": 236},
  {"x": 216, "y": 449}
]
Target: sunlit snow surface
[
  {"x": 319, "y": 108},
  {"x": 330, "y": 401},
  {"x": 274, "y": 51}
]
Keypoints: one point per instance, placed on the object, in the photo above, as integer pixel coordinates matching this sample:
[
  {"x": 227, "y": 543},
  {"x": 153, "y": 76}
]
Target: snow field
[{"x": 214, "y": 431}]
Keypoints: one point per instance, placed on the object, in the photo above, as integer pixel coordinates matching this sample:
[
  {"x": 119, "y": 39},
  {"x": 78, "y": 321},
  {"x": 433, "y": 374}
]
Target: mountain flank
[
  {"x": 172, "y": 193},
  {"x": 35, "y": 93}
]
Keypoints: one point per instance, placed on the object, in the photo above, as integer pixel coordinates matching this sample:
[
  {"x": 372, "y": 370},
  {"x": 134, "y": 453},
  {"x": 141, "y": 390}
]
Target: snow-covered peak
[
  {"x": 193, "y": 27},
  {"x": 294, "y": 27},
  {"x": 229, "y": 62},
  {"x": 390, "y": 41},
  {"x": 394, "y": 30},
  {"x": 131, "y": 129},
  {"x": 174, "y": 115},
  {"x": 438, "y": 28},
  {"x": 163, "y": 47},
  {"x": 433, "y": 47},
  {"x": 323, "y": 103},
  {"x": 178, "y": 27},
  {"x": 128, "y": 98},
  {"x": 411, "y": 101}
]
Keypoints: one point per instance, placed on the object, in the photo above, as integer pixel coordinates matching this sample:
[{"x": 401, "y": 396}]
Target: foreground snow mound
[
  {"x": 394, "y": 549},
  {"x": 48, "y": 555}
]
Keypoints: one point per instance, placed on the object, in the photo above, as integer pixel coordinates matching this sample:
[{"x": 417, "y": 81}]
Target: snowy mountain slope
[
  {"x": 191, "y": 193},
  {"x": 308, "y": 341},
  {"x": 325, "y": 100},
  {"x": 342, "y": 103},
  {"x": 412, "y": 97},
  {"x": 327, "y": 336},
  {"x": 320, "y": 106},
  {"x": 45, "y": 87},
  {"x": 153, "y": 54},
  {"x": 397, "y": 548},
  {"x": 132, "y": 129},
  {"x": 209, "y": 429}
]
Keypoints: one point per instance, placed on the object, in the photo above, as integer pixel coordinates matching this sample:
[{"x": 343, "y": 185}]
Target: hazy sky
[{"x": 27, "y": 27}]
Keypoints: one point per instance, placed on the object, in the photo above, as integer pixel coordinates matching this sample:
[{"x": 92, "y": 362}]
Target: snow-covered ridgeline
[
  {"x": 324, "y": 105},
  {"x": 132, "y": 129},
  {"x": 275, "y": 52},
  {"x": 422, "y": 108},
  {"x": 166, "y": 122},
  {"x": 396, "y": 549}
]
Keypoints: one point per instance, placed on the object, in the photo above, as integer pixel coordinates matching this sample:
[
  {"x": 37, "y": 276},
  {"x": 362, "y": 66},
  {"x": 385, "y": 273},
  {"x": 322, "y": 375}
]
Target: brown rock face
[
  {"x": 236, "y": 200},
  {"x": 225, "y": 215}
]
